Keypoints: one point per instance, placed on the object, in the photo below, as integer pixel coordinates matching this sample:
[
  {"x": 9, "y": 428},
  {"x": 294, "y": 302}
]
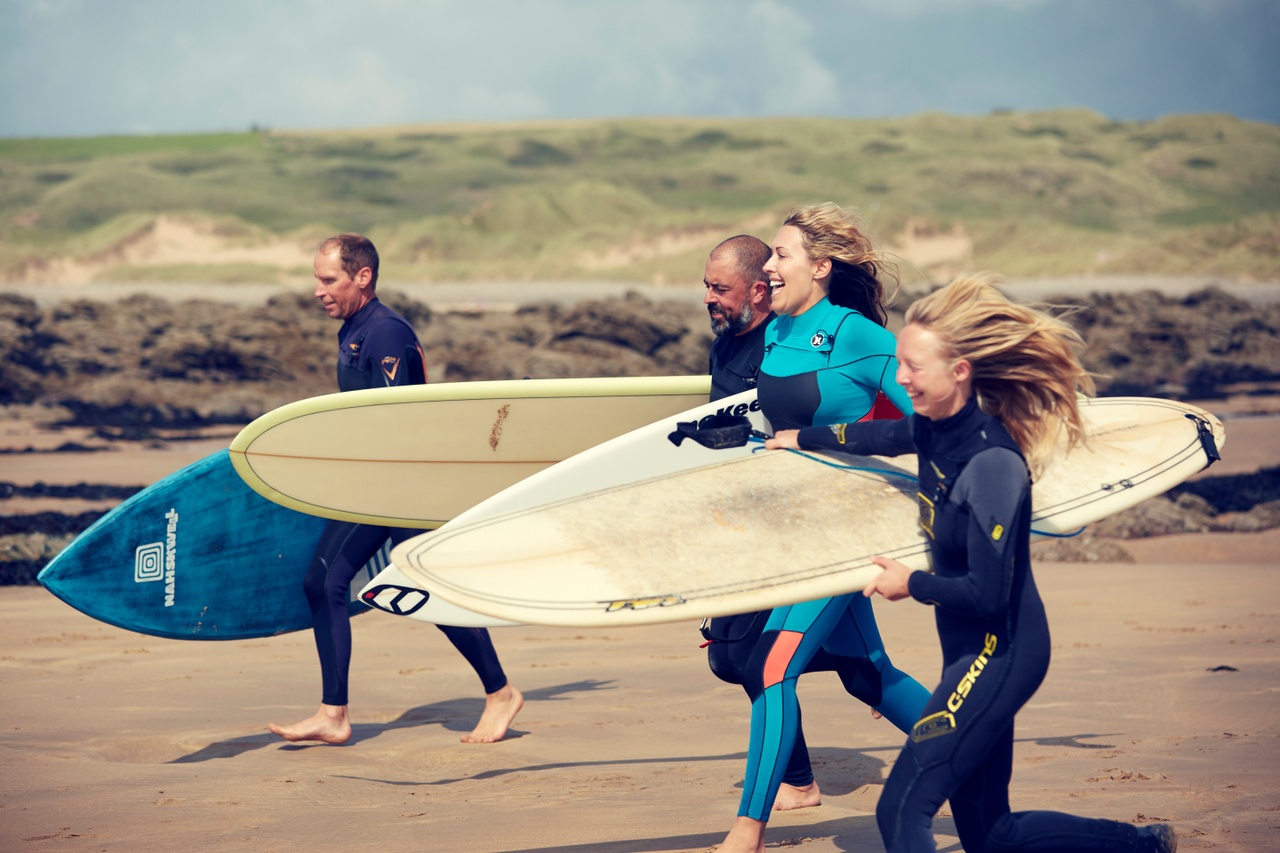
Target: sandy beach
[{"x": 1160, "y": 705}]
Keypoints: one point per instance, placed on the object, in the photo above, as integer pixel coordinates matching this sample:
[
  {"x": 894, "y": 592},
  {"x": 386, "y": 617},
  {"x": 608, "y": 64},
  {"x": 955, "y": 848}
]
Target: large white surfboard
[
  {"x": 730, "y": 531},
  {"x": 417, "y": 456}
]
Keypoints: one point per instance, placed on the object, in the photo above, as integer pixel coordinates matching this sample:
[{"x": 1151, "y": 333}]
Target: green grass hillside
[{"x": 1028, "y": 194}]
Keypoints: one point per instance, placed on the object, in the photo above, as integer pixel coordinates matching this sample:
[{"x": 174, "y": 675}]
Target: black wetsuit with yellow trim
[
  {"x": 975, "y": 507},
  {"x": 377, "y": 348}
]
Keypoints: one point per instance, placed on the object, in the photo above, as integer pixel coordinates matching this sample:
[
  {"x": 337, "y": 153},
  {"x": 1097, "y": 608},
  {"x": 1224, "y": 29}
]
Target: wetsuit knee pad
[
  {"x": 726, "y": 663},
  {"x": 313, "y": 585},
  {"x": 753, "y": 672},
  {"x": 862, "y": 680}
]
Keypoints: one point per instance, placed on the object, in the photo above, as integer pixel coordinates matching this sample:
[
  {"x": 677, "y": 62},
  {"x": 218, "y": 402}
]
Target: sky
[{"x": 95, "y": 67}]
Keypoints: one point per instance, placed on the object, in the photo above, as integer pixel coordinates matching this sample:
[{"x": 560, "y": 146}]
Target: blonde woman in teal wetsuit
[{"x": 828, "y": 359}]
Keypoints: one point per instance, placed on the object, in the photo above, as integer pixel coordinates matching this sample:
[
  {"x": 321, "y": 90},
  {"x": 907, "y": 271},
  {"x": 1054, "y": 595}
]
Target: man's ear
[
  {"x": 363, "y": 277},
  {"x": 761, "y": 296}
]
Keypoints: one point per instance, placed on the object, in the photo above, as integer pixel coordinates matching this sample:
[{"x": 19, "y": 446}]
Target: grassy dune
[{"x": 1029, "y": 194}]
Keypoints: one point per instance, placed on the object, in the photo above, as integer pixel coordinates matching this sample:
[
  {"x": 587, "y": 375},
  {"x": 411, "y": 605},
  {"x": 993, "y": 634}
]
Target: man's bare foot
[
  {"x": 790, "y": 797},
  {"x": 328, "y": 725},
  {"x": 500, "y": 708},
  {"x": 746, "y": 836}
]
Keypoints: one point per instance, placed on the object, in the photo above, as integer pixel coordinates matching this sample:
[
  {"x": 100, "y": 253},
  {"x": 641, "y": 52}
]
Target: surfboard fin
[{"x": 715, "y": 432}]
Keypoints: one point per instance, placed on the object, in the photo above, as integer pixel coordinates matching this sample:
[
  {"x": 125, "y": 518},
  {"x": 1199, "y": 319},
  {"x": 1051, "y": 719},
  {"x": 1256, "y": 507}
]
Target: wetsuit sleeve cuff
[
  {"x": 818, "y": 438},
  {"x": 918, "y": 584}
]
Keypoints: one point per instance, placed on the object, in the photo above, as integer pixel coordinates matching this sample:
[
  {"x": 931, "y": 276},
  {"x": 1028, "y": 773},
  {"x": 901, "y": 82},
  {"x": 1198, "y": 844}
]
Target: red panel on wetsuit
[
  {"x": 882, "y": 410},
  {"x": 784, "y": 649}
]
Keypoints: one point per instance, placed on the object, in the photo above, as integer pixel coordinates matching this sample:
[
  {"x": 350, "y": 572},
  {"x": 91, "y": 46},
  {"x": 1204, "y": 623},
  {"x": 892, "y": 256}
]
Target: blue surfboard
[{"x": 196, "y": 556}]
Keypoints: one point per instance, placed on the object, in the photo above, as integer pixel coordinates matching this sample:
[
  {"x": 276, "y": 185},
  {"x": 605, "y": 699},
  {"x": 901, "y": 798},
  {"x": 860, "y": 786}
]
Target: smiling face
[
  {"x": 797, "y": 282},
  {"x": 937, "y": 385},
  {"x": 341, "y": 294}
]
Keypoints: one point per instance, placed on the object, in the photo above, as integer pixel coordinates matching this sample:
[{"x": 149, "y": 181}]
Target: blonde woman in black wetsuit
[{"x": 993, "y": 385}]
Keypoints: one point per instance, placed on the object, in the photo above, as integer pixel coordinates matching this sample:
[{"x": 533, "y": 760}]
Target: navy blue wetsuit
[
  {"x": 821, "y": 367},
  {"x": 376, "y": 348},
  {"x": 975, "y": 507},
  {"x": 735, "y": 361}
]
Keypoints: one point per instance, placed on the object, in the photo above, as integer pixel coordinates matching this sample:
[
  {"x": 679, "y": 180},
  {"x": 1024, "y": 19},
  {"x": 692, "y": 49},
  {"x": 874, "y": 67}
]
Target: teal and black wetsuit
[
  {"x": 734, "y": 365},
  {"x": 376, "y": 348},
  {"x": 975, "y": 507},
  {"x": 825, "y": 366}
]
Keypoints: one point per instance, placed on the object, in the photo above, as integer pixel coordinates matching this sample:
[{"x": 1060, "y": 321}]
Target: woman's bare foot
[
  {"x": 790, "y": 797},
  {"x": 500, "y": 708},
  {"x": 328, "y": 725},
  {"x": 746, "y": 836}
]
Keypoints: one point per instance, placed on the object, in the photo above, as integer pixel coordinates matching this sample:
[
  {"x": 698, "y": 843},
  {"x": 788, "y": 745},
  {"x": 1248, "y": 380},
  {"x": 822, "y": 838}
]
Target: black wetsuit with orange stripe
[{"x": 377, "y": 348}]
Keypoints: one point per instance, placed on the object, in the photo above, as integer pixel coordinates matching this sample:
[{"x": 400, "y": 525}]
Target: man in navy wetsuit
[{"x": 376, "y": 348}]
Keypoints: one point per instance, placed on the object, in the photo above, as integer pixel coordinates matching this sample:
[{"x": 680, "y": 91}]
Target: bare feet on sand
[
  {"x": 500, "y": 708},
  {"x": 746, "y": 836},
  {"x": 327, "y": 725},
  {"x": 790, "y": 797}
]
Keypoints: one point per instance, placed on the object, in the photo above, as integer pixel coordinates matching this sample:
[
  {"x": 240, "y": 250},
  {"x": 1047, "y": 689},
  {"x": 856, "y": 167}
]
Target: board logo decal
[
  {"x": 148, "y": 563},
  {"x": 644, "y": 603},
  {"x": 159, "y": 560},
  {"x": 400, "y": 600}
]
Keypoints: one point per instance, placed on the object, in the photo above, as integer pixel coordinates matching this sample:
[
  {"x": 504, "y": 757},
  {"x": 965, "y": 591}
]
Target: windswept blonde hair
[
  {"x": 1026, "y": 362},
  {"x": 829, "y": 232}
]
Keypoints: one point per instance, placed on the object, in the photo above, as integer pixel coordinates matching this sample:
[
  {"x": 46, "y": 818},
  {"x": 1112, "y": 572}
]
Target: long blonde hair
[
  {"x": 829, "y": 232},
  {"x": 1026, "y": 362}
]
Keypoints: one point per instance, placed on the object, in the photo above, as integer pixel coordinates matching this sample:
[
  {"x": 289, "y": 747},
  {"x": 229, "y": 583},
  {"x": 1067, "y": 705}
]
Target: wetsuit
[
  {"x": 824, "y": 366},
  {"x": 735, "y": 361},
  {"x": 376, "y": 348},
  {"x": 975, "y": 507}
]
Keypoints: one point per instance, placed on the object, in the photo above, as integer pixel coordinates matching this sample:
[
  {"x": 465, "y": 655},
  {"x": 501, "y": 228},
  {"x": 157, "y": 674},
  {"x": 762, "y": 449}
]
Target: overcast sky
[{"x": 84, "y": 67}]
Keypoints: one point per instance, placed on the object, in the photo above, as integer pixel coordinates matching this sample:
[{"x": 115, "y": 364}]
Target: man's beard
[{"x": 731, "y": 324}]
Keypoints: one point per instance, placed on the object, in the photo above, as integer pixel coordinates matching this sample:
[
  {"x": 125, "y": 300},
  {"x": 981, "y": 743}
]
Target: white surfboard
[
  {"x": 739, "y": 530},
  {"x": 417, "y": 456}
]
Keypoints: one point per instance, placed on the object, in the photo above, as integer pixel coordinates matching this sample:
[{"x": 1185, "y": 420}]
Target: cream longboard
[
  {"x": 417, "y": 456},
  {"x": 639, "y": 531}
]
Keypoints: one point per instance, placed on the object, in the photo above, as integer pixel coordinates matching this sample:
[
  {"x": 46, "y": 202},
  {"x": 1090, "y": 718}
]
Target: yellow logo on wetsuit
[
  {"x": 971, "y": 677},
  {"x": 997, "y": 532},
  {"x": 934, "y": 725},
  {"x": 838, "y": 429},
  {"x": 926, "y": 514}
]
